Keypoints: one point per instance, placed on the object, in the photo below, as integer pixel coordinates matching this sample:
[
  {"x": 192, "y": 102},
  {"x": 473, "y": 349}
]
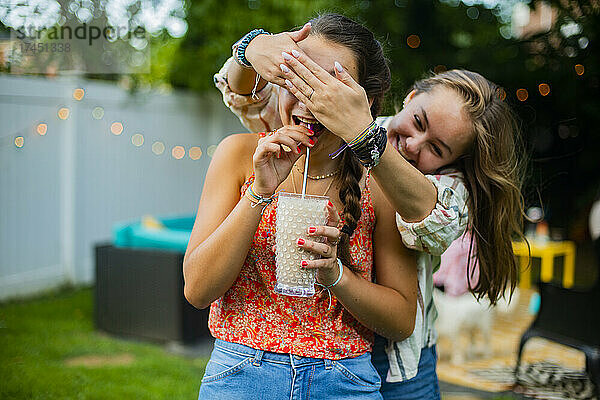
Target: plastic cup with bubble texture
[{"x": 295, "y": 214}]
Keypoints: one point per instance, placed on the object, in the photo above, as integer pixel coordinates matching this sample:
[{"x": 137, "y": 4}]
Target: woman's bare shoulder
[
  {"x": 235, "y": 153},
  {"x": 239, "y": 143}
]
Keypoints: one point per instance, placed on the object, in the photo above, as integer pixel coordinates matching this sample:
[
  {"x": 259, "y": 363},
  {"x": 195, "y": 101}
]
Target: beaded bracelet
[
  {"x": 369, "y": 145},
  {"x": 239, "y": 47},
  {"x": 256, "y": 199},
  {"x": 363, "y": 135}
]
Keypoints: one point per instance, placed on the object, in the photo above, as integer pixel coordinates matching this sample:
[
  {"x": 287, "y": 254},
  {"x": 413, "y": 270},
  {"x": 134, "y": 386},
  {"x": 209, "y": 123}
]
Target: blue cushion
[{"x": 173, "y": 237}]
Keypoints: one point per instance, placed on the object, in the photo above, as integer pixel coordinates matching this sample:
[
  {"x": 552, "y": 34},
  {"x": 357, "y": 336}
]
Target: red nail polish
[
  {"x": 304, "y": 263},
  {"x": 330, "y": 203},
  {"x": 300, "y": 241},
  {"x": 299, "y": 149},
  {"x": 311, "y": 131},
  {"x": 312, "y": 229},
  {"x": 311, "y": 140}
]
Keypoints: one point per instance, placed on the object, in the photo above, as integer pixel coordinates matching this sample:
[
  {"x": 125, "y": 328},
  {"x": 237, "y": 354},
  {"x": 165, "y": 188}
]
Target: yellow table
[{"x": 546, "y": 252}]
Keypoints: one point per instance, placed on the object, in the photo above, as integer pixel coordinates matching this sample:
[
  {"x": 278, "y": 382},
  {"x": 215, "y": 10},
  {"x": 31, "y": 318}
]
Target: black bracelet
[
  {"x": 371, "y": 147},
  {"x": 239, "y": 47}
]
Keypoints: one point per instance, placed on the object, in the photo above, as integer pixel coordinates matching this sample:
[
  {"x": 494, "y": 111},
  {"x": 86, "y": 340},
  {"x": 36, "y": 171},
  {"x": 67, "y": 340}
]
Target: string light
[
  {"x": 579, "y": 69},
  {"x": 211, "y": 150},
  {"x": 178, "y": 152},
  {"x": 98, "y": 113},
  {"x": 522, "y": 94},
  {"x": 41, "y": 129},
  {"x": 501, "y": 94},
  {"x": 78, "y": 94},
  {"x": 413, "y": 41},
  {"x": 158, "y": 148},
  {"x": 116, "y": 128},
  {"x": 195, "y": 153},
  {"x": 544, "y": 89},
  {"x": 63, "y": 113},
  {"x": 137, "y": 139}
]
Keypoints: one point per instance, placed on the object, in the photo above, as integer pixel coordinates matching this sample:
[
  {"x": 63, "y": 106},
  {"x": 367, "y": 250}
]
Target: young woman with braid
[
  {"x": 270, "y": 346},
  {"x": 451, "y": 163}
]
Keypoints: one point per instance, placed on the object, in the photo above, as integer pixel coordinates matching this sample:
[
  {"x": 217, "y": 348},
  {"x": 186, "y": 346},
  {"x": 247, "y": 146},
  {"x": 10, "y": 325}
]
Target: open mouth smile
[{"x": 311, "y": 124}]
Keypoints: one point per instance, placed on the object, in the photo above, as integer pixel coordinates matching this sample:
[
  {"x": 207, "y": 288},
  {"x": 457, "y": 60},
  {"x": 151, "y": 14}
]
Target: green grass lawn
[{"x": 40, "y": 338}]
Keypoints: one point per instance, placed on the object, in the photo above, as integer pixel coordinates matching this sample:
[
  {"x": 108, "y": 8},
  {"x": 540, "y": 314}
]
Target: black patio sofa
[{"x": 139, "y": 294}]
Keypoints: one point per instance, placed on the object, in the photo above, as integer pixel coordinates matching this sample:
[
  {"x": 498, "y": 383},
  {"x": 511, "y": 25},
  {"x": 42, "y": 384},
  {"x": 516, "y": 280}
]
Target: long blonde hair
[{"x": 493, "y": 173}]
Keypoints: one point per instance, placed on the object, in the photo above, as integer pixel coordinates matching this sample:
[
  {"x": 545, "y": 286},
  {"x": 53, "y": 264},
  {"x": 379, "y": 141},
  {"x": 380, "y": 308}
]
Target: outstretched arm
[{"x": 342, "y": 106}]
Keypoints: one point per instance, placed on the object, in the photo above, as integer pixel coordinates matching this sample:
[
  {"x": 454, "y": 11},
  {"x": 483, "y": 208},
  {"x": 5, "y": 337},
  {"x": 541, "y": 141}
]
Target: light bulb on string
[
  {"x": 98, "y": 113},
  {"x": 63, "y": 113},
  {"x": 137, "y": 139},
  {"x": 178, "y": 152},
  {"x": 413, "y": 41},
  {"x": 544, "y": 89},
  {"x": 210, "y": 150},
  {"x": 78, "y": 94},
  {"x": 116, "y": 128},
  {"x": 522, "y": 94},
  {"x": 41, "y": 129},
  {"x": 195, "y": 153},
  {"x": 158, "y": 148}
]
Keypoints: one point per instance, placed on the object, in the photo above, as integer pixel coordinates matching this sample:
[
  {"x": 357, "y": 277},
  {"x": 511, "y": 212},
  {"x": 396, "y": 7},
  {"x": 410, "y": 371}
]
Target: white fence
[{"x": 82, "y": 167}]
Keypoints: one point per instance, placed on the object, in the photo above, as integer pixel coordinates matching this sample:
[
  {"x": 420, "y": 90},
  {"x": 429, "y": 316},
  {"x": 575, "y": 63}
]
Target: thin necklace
[
  {"x": 318, "y": 177},
  {"x": 326, "y": 190}
]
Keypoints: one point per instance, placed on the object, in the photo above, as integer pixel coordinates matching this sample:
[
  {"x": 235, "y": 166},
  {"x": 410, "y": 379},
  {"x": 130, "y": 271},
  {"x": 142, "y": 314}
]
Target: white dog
[{"x": 457, "y": 314}]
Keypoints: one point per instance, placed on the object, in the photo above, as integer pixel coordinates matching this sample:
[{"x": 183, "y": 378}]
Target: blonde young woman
[
  {"x": 451, "y": 162},
  {"x": 270, "y": 346}
]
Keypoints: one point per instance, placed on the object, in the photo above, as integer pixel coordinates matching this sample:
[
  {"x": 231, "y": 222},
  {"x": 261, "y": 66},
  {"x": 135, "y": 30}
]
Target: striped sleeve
[
  {"x": 258, "y": 113},
  {"x": 446, "y": 222}
]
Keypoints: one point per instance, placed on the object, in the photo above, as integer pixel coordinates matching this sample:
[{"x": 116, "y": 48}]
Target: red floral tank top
[{"x": 253, "y": 314}]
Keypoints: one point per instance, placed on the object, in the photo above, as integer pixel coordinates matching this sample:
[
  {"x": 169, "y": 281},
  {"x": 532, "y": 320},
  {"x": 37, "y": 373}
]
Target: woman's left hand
[
  {"x": 327, "y": 267},
  {"x": 337, "y": 102}
]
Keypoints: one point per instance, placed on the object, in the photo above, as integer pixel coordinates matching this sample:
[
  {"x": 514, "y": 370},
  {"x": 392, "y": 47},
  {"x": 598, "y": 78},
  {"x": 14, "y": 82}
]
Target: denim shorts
[
  {"x": 424, "y": 386},
  {"x": 238, "y": 372}
]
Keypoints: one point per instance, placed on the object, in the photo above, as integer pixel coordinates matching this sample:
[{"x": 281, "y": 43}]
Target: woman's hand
[
  {"x": 272, "y": 161},
  {"x": 337, "y": 102},
  {"x": 264, "y": 52},
  {"x": 327, "y": 267}
]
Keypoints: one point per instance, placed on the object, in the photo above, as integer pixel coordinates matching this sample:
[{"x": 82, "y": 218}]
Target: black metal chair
[{"x": 572, "y": 318}]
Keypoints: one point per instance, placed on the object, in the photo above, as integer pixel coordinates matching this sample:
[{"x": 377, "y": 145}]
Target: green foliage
[
  {"x": 37, "y": 337},
  {"x": 214, "y": 25}
]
